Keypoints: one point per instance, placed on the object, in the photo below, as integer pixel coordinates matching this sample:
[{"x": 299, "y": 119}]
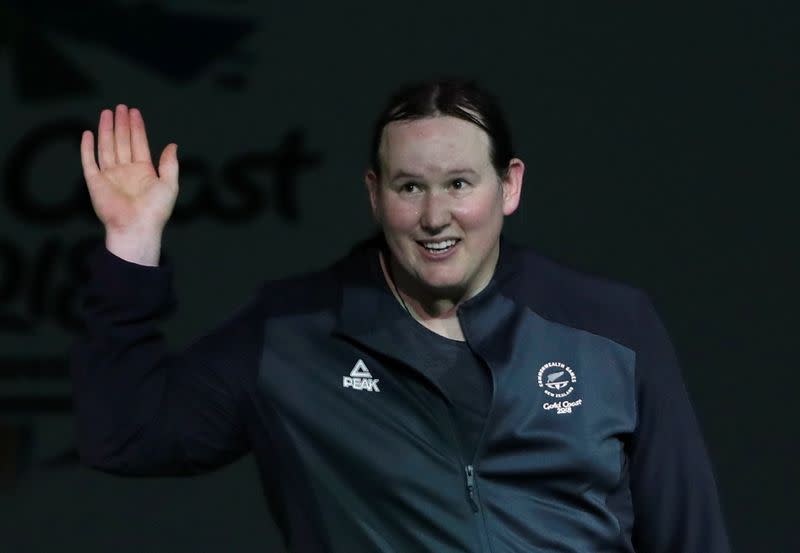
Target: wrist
[{"x": 136, "y": 246}]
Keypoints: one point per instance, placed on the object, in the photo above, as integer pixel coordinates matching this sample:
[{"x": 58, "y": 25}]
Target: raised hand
[{"x": 130, "y": 198}]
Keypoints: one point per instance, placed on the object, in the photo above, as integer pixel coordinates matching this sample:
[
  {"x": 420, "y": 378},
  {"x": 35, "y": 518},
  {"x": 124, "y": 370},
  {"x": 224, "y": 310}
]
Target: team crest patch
[{"x": 557, "y": 380}]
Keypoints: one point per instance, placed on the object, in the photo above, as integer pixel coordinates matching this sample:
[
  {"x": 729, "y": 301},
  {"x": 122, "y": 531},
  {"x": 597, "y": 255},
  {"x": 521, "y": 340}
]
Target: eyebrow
[{"x": 404, "y": 174}]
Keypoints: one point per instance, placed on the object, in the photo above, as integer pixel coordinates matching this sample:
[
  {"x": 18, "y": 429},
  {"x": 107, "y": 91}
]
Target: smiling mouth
[{"x": 441, "y": 246}]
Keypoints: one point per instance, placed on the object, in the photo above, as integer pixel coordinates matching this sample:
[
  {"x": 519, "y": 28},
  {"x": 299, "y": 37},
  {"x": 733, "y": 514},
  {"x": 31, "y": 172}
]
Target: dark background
[{"x": 661, "y": 146}]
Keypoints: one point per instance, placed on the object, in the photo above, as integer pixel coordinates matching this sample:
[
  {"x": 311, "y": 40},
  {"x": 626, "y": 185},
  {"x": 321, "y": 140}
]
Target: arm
[
  {"x": 140, "y": 410},
  {"x": 676, "y": 508}
]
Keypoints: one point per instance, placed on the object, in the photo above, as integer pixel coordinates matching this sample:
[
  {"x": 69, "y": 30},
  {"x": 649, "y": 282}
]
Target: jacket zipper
[
  {"x": 471, "y": 487},
  {"x": 469, "y": 469},
  {"x": 472, "y": 490},
  {"x": 469, "y": 474}
]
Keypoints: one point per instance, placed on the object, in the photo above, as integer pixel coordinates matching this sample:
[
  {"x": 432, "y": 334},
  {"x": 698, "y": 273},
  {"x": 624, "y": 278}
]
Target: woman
[{"x": 437, "y": 390}]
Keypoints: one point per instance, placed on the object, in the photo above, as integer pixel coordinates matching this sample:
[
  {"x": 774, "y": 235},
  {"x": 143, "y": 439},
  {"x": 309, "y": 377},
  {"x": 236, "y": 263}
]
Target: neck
[
  {"x": 441, "y": 318},
  {"x": 420, "y": 302},
  {"x": 419, "y": 305}
]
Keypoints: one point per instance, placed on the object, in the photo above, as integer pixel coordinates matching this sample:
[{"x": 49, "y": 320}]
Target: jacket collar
[{"x": 370, "y": 315}]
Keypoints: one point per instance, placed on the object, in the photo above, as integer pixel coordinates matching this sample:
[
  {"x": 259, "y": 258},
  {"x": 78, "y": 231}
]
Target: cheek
[
  {"x": 398, "y": 216},
  {"x": 483, "y": 212}
]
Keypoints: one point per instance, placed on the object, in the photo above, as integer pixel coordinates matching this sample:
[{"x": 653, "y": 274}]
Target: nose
[{"x": 435, "y": 213}]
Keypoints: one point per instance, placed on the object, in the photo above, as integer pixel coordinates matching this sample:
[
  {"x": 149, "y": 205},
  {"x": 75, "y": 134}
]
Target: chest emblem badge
[
  {"x": 360, "y": 378},
  {"x": 557, "y": 380}
]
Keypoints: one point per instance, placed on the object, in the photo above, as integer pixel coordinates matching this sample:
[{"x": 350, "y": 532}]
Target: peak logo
[{"x": 360, "y": 378}]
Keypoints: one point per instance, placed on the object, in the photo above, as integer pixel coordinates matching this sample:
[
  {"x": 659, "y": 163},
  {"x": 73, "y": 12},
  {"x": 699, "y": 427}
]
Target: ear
[
  {"x": 512, "y": 186},
  {"x": 373, "y": 184}
]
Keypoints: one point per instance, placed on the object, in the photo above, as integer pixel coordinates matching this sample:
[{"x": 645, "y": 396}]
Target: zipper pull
[{"x": 471, "y": 487}]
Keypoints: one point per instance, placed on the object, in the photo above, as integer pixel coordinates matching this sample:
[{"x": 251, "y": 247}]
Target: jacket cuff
[{"x": 116, "y": 283}]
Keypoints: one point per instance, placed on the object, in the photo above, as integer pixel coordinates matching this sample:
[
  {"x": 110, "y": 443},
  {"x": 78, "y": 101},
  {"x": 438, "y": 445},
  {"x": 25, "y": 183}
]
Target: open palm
[{"x": 127, "y": 193}]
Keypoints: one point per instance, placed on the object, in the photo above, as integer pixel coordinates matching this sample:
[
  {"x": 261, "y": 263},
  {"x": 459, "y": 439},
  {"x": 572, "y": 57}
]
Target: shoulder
[
  {"x": 318, "y": 290},
  {"x": 571, "y": 297}
]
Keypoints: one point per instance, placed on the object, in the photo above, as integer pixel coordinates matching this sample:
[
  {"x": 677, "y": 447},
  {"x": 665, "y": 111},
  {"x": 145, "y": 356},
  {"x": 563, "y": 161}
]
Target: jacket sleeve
[
  {"x": 140, "y": 410},
  {"x": 676, "y": 507}
]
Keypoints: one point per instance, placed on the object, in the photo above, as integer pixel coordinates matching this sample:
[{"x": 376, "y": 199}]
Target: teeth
[{"x": 443, "y": 245}]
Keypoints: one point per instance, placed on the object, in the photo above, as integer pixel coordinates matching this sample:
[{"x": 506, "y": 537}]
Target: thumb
[{"x": 168, "y": 163}]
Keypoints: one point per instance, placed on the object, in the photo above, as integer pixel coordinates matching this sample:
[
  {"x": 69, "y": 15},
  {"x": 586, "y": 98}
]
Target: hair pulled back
[{"x": 460, "y": 98}]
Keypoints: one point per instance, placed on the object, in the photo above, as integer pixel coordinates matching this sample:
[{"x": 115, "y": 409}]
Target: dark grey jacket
[{"x": 591, "y": 444}]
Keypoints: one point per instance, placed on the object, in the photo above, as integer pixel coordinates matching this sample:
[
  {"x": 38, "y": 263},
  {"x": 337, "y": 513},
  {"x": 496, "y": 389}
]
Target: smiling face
[{"x": 441, "y": 205}]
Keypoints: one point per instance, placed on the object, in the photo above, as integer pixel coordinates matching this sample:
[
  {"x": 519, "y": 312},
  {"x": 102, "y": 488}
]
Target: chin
[{"x": 443, "y": 284}]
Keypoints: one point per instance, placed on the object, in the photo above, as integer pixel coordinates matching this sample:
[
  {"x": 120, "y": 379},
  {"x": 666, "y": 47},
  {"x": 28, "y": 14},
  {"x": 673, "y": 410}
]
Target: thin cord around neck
[{"x": 388, "y": 262}]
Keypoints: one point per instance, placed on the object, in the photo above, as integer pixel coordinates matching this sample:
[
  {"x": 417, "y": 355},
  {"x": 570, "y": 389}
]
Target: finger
[
  {"x": 87, "y": 155},
  {"x": 168, "y": 163},
  {"x": 105, "y": 140},
  {"x": 122, "y": 134},
  {"x": 139, "y": 147}
]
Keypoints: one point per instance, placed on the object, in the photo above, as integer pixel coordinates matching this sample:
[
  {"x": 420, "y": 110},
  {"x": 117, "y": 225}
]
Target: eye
[
  {"x": 409, "y": 187},
  {"x": 459, "y": 184}
]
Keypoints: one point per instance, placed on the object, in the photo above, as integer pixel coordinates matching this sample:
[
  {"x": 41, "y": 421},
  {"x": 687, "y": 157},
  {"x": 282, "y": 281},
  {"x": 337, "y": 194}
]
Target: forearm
[{"x": 120, "y": 366}]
